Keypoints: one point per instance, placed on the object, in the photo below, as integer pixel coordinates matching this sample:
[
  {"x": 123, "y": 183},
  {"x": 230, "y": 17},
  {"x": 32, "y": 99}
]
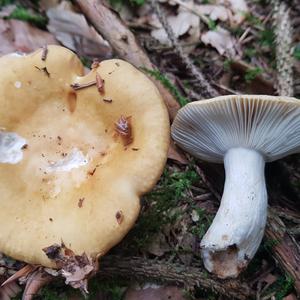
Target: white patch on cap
[
  {"x": 11, "y": 145},
  {"x": 18, "y": 84},
  {"x": 73, "y": 160}
]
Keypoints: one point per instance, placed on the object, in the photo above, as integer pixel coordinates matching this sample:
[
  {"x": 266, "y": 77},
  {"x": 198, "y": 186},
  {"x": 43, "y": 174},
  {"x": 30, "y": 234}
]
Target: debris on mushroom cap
[
  {"x": 123, "y": 128},
  {"x": 76, "y": 269},
  {"x": 95, "y": 63},
  {"x": 75, "y": 159},
  {"x": 41, "y": 187},
  {"x": 269, "y": 124},
  {"x": 44, "y": 53},
  {"x": 99, "y": 83},
  {"x": 244, "y": 131}
]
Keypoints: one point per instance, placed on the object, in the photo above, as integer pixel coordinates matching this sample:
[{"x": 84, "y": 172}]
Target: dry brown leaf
[
  {"x": 9, "y": 288},
  {"x": 25, "y": 271},
  {"x": 7, "y": 10},
  {"x": 35, "y": 281},
  {"x": 176, "y": 154},
  {"x": 269, "y": 279},
  {"x": 233, "y": 10},
  {"x": 28, "y": 38},
  {"x": 76, "y": 269},
  {"x": 215, "y": 12},
  {"x": 9, "y": 291},
  {"x": 73, "y": 31},
  {"x": 221, "y": 40},
  {"x": 155, "y": 292},
  {"x": 184, "y": 22},
  {"x": 18, "y": 36},
  {"x": 158, "y": 245},
  {"x": 239, "y": 9}
]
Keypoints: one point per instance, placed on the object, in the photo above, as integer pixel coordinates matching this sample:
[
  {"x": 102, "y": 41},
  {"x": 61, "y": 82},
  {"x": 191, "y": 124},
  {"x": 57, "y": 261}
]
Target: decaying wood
[
  {"x": 123, "y": 42},
  {"x": 141, "y": 269},
  {"x": 285, "y": 249}
]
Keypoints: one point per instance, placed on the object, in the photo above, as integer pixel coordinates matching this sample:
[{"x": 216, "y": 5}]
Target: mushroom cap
[
  {"x": 77, "y": 181},
  {"x": 209, "y": 128}
]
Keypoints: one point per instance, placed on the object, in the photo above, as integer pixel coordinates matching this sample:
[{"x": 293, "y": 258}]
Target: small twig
[
  {"x": 269, "y": 296},
  {"x": 44, "y": 53},
  {"x": 99, "y": 83},
  {"x": 244, "y": 35},
  {"x": 207, "y": 91},
  {"x": 78, "y": 86},
  {"x": 226, "y": 89},
  {"x": 141, "y": 269}
]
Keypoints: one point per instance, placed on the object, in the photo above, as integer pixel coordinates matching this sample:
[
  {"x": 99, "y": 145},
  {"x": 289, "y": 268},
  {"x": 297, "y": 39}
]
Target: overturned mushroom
[
  {"x": 76, "y": 182},
  {"x": 244, "y": 131}
]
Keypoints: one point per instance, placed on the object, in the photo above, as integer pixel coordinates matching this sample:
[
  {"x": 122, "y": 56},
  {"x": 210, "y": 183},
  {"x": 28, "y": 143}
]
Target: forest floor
[{"x": 235, "y": 50}]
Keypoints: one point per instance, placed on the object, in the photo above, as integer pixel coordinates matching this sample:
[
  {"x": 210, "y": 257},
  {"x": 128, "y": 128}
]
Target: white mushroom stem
[{"x": 238, "y": 227}]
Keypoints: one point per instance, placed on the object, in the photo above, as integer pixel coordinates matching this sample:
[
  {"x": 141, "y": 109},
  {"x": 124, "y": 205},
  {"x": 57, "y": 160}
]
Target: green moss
[
  {"x": 203, "y": 223},
  {"x": 227, "y": 64},
  {"x": 160, "y": 206},
  {"x": 251, "y": 74},
  {"x": 250, "y": 53},
  {"x": 281, "y": 287},
  {"x": 267, "y": 37},
  {"x": 113, "y": 289},
  {"x": 23, "y": 14},
  {"x": 253, "y": 20},
  {"x": 117, "y": 4},
  {"x": 138, "y": 2},
  {"x": 53, "y": 291},
  {"x": 297, "y": 52},
  {"x": 285, "y": 286},
  {"x": 167, "y": 84},
  {"x": 270, "y": 244},
  {"x": 212, "y": 25},
  {"x": 6, "y": 2},
  {"x": 87, "y": 62}
]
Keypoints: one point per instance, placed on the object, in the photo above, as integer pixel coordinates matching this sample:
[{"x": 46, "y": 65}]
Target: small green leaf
[
  {"x": 212, "y": 25},
  {"x": 168, "y": 84},
  {"x": 227, "y": 64}
]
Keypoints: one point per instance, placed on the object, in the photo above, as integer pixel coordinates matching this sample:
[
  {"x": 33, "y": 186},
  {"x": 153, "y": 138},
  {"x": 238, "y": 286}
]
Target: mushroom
[
  {"x": 86, "y": 161},
  {"x": 244, "y": 131}
]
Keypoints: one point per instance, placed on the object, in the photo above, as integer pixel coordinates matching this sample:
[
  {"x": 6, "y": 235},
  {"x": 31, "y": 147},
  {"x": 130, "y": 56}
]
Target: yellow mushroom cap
[{"x": 70, "y": 169}]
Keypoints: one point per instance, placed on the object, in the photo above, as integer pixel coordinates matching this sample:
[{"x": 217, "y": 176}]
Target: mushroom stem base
[{"x": 238, "y": 227}]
